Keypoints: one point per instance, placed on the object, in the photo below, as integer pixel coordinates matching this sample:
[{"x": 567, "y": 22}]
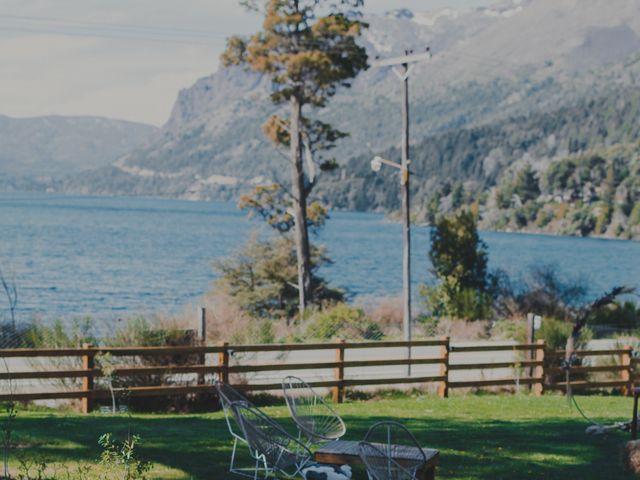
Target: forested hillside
[
  {"x": 473, "y": 160},
  {"x": 596, "y": 192}
]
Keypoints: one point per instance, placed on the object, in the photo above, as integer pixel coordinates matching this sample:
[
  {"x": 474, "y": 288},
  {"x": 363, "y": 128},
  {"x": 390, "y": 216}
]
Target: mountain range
[
  {"x": 35, "y": 150},
  {"x": 519, "y": 82}
]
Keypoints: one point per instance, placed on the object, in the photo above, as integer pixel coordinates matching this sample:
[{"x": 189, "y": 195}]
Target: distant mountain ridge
[
  {"x": 515, "y": 58},
  {"x": 54, "y": 146}
]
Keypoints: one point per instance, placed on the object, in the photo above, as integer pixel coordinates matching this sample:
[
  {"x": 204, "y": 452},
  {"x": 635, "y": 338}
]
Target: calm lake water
[{"x": 115, "y": 257}]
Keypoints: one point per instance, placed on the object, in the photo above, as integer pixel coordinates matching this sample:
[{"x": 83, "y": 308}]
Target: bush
[
  {"x": 344, "y": 322},
  {"x": 141, "y": 332},
  {"x": 446, "y": 300},
  {"x": 263, "y": 276},
  {"x": 56, "y": 336},
  {"x": 59, "y": 336},
  {"x": 510, "y": 329},
  {"x": 257, "y": 331},
  {"x": 453, "y": 328},
  {"x": 583, "y": 221},
  {"x": 617, "y": 316},
  {"x": 526, "y": 184},
  {"x": 459, "y": 260},
  {"x": 527, "y": 213},
  {"x": 544, "y": 217},
  {"x": 556, "y": 332},
  {"x": 634, "y": 216},
  {"x": 504, "y": 196}
]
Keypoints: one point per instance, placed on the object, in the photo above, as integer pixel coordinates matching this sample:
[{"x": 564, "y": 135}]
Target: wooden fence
[{"x": 534, "y": 360}]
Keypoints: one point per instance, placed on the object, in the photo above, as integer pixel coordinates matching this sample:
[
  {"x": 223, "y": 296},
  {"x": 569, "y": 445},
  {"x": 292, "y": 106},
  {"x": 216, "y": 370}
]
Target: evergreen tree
[
  {"x": 459, "y": 261},
  {"x": 308, "y": 48},
  {"x": 458, "y": 252},
  {"x": 526, "y": 186}
]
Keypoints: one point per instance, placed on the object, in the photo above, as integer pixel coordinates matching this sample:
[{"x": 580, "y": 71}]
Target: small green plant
[
  {"x": 108, "y": 368},
  {"x": 121, "y": 458},
  {"x": 33, "y": 468},
  {"x": 76, "y": 472}
]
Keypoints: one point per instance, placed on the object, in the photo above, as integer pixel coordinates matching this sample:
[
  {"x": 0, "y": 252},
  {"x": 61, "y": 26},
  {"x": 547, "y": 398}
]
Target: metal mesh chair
[
  {"x": 397, "y": 443},
  {"x": 316, "y": 420},
  {"x": 272, "y": 447},
  {"x": 381, "y": 466},
  {"x": 227, "y": 396}
]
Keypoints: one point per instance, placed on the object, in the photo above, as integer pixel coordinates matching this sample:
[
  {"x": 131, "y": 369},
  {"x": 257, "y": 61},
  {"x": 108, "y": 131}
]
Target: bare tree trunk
[
  {"x": 11, "y": 291},
  {"x": 300, "y": 207},
  {"x": 580, "y": 322}
]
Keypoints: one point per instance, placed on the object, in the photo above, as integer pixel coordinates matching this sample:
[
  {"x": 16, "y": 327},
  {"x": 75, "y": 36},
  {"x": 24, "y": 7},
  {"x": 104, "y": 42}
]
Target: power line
[
  {"x": 107, "y": 35},
  {"x": 116, "y": 31},
  {"x": 189, "y": 32}
]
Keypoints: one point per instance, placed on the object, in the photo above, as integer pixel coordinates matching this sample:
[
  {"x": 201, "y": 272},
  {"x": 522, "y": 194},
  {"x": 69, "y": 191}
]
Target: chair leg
[
  {"x": 258, "y": 468},
  {"x": 233, "y": 455},
  {"x": 243, "y": 472},
  {"x": 427, "y": 473},
  {"x": 255, "y": 475}
]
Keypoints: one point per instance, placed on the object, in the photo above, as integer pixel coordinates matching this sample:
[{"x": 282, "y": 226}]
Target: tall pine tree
[{"x": 308, "y": 48}]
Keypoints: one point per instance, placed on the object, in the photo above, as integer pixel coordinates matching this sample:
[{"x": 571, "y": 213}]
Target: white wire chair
[
  {"x": 227, "y": 396},
  {"x": 275, "y": 451},
  {"x": 315, "y": 419},
  {"x": 381, "y": 466},
  {"x": 399, "y": 448}
]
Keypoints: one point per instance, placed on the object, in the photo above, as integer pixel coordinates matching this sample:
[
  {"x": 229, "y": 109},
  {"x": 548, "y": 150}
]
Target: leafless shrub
[
  {"x": 11, "y": 291},
  {"x": 461, "y": 329},
  {"x": 387, "y": 313}
]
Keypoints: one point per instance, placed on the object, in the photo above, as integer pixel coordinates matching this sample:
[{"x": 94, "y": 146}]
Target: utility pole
[{"x": 407, "y": 62}]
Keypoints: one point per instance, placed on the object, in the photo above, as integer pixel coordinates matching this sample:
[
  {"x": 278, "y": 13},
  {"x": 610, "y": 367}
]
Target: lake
[{"x": 107, "y": 258}]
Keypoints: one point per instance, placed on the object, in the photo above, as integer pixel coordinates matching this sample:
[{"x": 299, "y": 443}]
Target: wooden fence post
[
  {"x": 338, "y": 374},
  {"x": 443, "y": 386},
  {"x": 223, "y": 363},
  {"x": 625, "y": 375},
  {"x": 202, "y": 325},
  {"x": 202, "y": 340},
  {"x": 538, "y": 388},
  {"x": 88, "y": 364},
  {"x": 531, "y": 336}
]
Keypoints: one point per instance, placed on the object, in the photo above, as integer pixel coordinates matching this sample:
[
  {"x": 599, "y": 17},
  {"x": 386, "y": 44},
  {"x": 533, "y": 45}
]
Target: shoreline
[{"x": 387, "y": 217}]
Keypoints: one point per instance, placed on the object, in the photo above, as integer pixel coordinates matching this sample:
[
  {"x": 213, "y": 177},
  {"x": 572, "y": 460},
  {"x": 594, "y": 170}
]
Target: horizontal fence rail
[{"x": 532, "y": 366}]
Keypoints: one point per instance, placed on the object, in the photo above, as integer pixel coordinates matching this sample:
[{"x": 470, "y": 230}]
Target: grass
[{"x": 479, "y": 436}]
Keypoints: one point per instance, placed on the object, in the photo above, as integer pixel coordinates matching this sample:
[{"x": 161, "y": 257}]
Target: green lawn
[{"x": 479, "y": 436}]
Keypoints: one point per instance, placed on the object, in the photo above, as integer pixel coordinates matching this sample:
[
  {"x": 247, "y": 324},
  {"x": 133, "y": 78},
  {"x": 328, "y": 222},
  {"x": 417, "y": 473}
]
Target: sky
[{"x": 125, "y": 59}]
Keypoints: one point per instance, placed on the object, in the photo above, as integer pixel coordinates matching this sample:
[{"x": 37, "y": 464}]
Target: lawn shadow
[
  {"x": 200, "y": 446},
  {"x": 493, "y": 449}
]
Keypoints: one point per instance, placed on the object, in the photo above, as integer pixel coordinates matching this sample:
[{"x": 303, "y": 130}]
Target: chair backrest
[
  {"x": 227, "y": 396},
  {"x": 396, "y": 441},
  {"x": 381, "y": 466},
  {"x": 269, "y": 441},
  {"x": 315, "y": 418}
]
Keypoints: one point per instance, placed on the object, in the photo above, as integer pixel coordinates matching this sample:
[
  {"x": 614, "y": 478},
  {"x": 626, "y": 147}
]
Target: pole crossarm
[{"x": 402, "y": 60}]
